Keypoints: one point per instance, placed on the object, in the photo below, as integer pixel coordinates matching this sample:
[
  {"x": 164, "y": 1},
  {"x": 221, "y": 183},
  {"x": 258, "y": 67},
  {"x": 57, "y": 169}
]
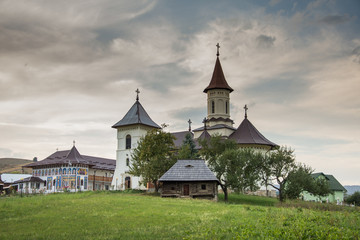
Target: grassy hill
[
  {"x": 13, "y": 165},
  {"x": 115, "y": 215}
]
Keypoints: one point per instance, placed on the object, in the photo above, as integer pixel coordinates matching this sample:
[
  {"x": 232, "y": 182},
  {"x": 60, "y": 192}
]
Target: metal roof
[
  {"x": 73, "y": 156},
  {"x": 334, "y": 184},
  {"x": 246, "y": 133},
  {"x": 30, "y": 179},
  {"x": 217, "y": 126},
  {"x": 10, "y": 177},
  {"x": 218, "y": 80},
  {"x": 180, "y": 137},
  {"x": 189, "y": 170},
  {"x": 136, "y": 115}
]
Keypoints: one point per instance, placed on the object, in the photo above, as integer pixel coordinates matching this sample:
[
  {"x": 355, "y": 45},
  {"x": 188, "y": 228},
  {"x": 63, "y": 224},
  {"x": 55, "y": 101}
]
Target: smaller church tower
[{"x": 135, "y": 124}]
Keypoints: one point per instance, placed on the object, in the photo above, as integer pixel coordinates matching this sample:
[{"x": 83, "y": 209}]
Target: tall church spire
[
  {"x": 218, "y": 80},
  {"x": 218, "y": 97}
]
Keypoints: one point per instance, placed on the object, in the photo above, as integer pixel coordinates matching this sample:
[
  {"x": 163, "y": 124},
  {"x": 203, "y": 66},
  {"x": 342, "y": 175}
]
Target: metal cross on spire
[
  {"x": 218, "y": 47},
  {"x": 189, "y": 125},
  {"x": 204, "y": 121},
  {"x": 74, "y": 143},
  {"x": 137, "y": 94},
  {"x": 246, "y": 108}
]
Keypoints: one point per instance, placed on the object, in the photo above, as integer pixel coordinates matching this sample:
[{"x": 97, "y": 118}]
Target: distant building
[
  {"x": 189, "y": 178},
  {"x": 338, "y": 191},
  {"x": 69, "y": 170},
  {"x": 30, "y": 185}
]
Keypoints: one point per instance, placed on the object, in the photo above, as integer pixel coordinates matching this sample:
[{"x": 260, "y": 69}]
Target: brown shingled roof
[
  {"x": 246, "y": 133},
  {"x": 218, "y": 80}
]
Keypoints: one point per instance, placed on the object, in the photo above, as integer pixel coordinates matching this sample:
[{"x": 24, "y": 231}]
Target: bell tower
[{"x": 218, "y": 97}]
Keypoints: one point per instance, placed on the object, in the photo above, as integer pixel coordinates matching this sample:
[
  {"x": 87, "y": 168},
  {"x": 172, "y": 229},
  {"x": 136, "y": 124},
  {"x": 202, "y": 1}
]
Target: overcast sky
[{"x": 69, "y": 71}]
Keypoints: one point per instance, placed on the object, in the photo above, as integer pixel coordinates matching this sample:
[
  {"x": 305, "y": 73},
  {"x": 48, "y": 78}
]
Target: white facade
[{"x": 122, "y": 179}]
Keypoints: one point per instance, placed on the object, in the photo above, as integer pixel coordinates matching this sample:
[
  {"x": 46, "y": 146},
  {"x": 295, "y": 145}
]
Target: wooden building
[{"x": 189, "y": 178}]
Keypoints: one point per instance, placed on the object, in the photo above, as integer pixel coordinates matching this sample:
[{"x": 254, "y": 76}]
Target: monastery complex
[{"x": 74, "y": 171}]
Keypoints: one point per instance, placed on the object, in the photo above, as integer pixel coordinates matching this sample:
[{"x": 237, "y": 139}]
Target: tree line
[{"x": 238, "y": 169}]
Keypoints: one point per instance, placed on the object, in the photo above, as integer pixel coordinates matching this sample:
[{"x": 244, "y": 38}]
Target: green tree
[
  {"x": 320, "y": 187},
  {"x": 153, "y": 156},
  {"x": 354, "y": 199},
  {"x": 243, "y": 170},
  {"x": 188, "y": 148},
  {"x": 299, "y": 180},
  {"x": 277, "y": 166},
  {"x": 235, "y": 167},
  {"x": 219, "y": 154}
]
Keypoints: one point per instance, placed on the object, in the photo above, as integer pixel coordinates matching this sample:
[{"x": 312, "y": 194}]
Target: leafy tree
[
  {"x": 243, "y": 170},
  {"x": 280, "y": 171},
  {"x": 278, "y": 165},
  {"x": 320, "y": 187},
  {"x": 354, "y": 199},
  {"x": 153, "y": 156},
  {"x": 188, "y": 148},
  {"x": 236, "y": 168},
  {"x": 299, "y": 180},
  {"x": 219, "y": 154}
]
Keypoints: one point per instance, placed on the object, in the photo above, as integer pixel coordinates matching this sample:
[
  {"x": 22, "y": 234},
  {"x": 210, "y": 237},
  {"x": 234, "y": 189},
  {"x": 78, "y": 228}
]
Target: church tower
[
  {"x": 135, "y": 124},
  {"x": 218, "y": 104}
]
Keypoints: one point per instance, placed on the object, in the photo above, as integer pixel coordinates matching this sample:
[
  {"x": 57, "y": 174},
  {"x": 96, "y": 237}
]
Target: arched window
[
  {"x": 127, "y": 162},
  {"x": 128, "y": 142},
  {"x": 226, "y": 107},
  {"x": 212, "y": 107}
]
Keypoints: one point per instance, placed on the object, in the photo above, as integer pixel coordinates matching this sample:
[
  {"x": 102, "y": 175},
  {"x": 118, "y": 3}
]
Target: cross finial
[
  {"x": 218, "y": 47},
  {"x": 74, "y": 143},
  {"x": 137, "y": 94},
  {"x": 246, "y": 108},
  {"x": 204, "y": 121},
  {"x": 189, "y": 125}
]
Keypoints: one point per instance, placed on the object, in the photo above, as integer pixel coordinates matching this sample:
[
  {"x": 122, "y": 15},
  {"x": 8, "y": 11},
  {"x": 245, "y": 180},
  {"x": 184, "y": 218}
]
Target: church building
[{"x": 136, "y": 123}]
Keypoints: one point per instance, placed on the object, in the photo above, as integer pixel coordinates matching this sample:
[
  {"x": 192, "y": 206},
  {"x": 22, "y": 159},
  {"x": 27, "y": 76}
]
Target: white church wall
[{"x": 123, "y": 156}]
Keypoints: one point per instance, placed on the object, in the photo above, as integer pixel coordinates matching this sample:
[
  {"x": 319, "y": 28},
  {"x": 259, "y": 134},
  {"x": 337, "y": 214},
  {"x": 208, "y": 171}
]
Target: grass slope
[
  {"x": 13, "y": 165},
  {"x": 114, "y": 215}
]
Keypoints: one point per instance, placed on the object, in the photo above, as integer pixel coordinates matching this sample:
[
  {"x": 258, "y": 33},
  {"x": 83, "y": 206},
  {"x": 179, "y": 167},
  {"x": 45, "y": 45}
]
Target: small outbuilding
[
  {"x": 190, "y": 178},
  {"x": 30, "y": 185}
]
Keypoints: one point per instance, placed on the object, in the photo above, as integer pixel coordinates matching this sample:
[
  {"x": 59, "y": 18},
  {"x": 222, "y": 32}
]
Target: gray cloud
[
  {"x": 265, "y": 41},
  {"x": 356, "y": 54},
  {"x": 335, "y": 19}
]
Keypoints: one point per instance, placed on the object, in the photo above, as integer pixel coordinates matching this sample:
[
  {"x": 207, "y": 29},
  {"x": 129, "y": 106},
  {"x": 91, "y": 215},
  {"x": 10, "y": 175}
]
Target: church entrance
[
  {"x": 127, "y": 183},
  {"x": 186, "y": 190}
]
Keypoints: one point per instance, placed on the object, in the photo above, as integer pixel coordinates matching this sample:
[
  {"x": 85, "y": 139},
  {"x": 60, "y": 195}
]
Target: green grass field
[{"x": 115, "y": 215}]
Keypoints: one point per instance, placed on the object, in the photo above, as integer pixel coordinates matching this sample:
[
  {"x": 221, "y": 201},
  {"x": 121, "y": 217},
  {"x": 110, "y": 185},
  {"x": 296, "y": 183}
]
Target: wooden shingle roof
[{"x": 189, "y": 170}]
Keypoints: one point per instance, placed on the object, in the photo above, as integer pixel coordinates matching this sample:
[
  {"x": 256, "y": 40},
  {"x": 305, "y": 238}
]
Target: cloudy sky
[{"x": 69, "y": 71}]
